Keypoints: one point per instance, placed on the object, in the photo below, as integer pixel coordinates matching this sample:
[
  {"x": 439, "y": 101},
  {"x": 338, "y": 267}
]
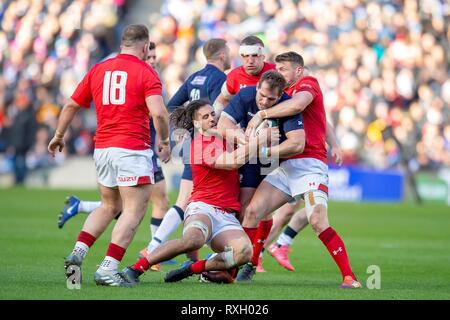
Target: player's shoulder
[
  {"x": 100, "y": 64},
  {"x": 201, "y": 76},
  {"x": 138, "y": 64},
  {"x": 268, "y": 66},
  {"x": 247, "y": 93},
  {"x": 305, "y": 83},
  {"x": 216, "y": 73},
  {"x": 212, "y": 69},
  {"x": 308, "y": 80},
  {"x": 197, "y": 78},
  {"x": 284, "y": 97}
]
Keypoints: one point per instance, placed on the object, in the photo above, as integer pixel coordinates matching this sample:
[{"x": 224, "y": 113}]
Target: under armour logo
[{"x": 335, "y": 252}]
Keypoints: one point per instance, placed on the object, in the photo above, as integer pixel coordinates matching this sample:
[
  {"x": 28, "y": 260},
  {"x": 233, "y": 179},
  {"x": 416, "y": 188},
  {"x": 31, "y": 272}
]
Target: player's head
[
  {"x": 135, "y": 40},
  {"x": 252, "y": 53},
  {"x": 217, "y": 50},
  {"x": 270, "y": 88},
  {"x": 151, "y": 55},
  {"x": 197, "y": 114},
  {"x": 291, "y": 66}
]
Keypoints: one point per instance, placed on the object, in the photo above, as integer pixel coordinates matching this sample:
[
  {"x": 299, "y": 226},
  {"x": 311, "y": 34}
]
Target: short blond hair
[{"x": 213, "y": 48}]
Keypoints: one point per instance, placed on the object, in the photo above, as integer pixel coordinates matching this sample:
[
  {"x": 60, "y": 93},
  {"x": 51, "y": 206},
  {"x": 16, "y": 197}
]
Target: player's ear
[{"x": 197, "y": 124}]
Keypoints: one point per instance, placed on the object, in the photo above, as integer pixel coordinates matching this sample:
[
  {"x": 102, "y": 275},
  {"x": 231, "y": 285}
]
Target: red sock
[
  {"x": 115, "y": 251},
  {"x": 142, "y": 265},
  {"x": 261, "y": 235},
  {"x": 251, "y": 232},
  {"x": 199, "y": 266},
  {"x": 336, "y": 248},
  {"x": 86, "y": 238}
]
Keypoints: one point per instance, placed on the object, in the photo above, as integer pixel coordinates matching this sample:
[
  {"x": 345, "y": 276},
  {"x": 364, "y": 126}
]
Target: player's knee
[
  {"x": 251, "y": 212},
  {"x": 195, "y": 234},
  {"x": 193, "y": 241},
  {"x": 112, "y": 209}
]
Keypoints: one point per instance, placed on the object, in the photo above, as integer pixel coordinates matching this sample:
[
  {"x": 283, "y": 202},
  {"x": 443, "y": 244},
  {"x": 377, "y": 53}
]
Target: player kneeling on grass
[{"x": 211, "y": 214}]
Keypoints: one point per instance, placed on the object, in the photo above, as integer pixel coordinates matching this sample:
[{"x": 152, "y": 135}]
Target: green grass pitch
[{"x": 410, "y": 244}]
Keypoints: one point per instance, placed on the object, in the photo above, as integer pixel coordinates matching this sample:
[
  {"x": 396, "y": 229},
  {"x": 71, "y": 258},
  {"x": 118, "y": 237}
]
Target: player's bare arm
[
  {"x": 222, "y": 100},
  {"x": 293, "y": 145},
  {"x": 287, "y": 108},
  {"x": 228, "y": 129},
  {"x": 336, "y": 151},
  {"x": 160, "y": 116},
  {"x": 67, "y": 114},
  {"x": 237, "y": 158}
]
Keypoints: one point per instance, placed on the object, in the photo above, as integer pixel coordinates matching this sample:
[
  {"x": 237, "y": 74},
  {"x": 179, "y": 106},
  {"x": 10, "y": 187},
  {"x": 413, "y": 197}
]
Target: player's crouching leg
[
  {"x": 238, "y": 253},
  {"x": 195, "y": 233}
]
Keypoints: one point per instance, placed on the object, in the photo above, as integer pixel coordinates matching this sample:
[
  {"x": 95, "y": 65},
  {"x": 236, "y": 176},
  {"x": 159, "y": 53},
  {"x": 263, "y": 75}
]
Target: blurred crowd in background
[
  {"x": 383, "y": 66},
  {"x": 46, "y": 47}
]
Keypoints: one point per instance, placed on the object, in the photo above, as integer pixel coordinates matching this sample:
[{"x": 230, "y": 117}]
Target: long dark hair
[{"x": 182, "y": 117}]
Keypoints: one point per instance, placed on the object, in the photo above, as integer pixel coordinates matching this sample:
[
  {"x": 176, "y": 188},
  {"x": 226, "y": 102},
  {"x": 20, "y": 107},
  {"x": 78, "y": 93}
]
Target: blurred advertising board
[
  {"x": 362, "y": 184},
  {"x": 433, "y": 187}
]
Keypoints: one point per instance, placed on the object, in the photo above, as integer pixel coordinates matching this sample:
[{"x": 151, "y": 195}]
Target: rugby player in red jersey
[
  {"x": 252, "y": 52},
  {"x": 124, "y": 90},
  {"x": 211, "y": 213},
  {"x": 305, "y": 175}
]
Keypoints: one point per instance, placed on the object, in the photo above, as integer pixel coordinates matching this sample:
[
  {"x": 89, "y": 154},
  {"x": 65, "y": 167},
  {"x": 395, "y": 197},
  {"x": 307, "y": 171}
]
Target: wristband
[
  {"x": 265, "y": 151},
  {"x": 165, "y": 142},
  {"x": 59, "y": 134},
  {"x": 265, "y": 114}
]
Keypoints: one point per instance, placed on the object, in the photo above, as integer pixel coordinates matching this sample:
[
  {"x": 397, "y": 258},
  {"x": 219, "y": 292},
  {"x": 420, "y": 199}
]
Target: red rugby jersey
[
  {"x": 314, "y": 119},
  {"x": 238, "y": 78},
  {"x": 217, "y": 187},
  {"x": 118, "y": 87}
]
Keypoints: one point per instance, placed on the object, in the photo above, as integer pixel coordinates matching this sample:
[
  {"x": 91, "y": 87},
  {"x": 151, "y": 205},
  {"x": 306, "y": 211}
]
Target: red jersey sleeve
[
  {"x": 152, "y": 84},
  {"x": 231, "y": 83},
  {"x": 310, "y": 86},
  {"x": 83, "y": 94}
]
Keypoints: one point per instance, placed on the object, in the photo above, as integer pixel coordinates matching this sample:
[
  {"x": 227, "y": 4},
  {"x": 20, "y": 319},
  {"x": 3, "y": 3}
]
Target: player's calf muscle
[
  {"x": 243, "y": 255},
  {"x": 319, "y": 219}
]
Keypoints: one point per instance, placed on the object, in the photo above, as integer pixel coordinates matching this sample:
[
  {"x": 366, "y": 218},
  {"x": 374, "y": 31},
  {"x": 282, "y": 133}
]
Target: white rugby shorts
[
  {"x": 297, "y": 176},
  {"x": 220, "y": 220},
  {"x": 123, "y": 167}
]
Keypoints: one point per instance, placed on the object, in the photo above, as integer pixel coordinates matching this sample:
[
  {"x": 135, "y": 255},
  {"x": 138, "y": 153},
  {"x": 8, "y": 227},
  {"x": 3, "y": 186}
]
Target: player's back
[
  {"x": 203, "y": 84},
  {"x": 119, "y": 87}
]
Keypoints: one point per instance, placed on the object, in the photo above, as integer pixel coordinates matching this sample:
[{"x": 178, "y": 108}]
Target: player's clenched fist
[
  {"x": 164, "y": 150},
  {"x": 255, "y": 121},
  {"x": 336, "y": 153},
  {"x": 57, "y": 142}
]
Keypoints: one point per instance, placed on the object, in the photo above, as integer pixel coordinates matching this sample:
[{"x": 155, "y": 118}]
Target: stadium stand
[{"x": 383, "y": 66}]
